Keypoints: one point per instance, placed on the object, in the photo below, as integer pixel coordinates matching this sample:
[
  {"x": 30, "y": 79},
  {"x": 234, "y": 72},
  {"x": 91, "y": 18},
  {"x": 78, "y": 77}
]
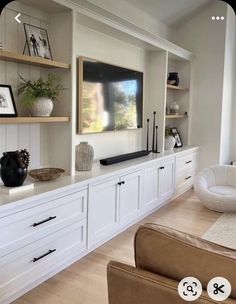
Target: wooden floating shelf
[
  {"x": 38, "y": 61},
  {"x": 32, "y": 120},
  {"x": 172, "y": 87},
  {"x": 177, "y": 116}
]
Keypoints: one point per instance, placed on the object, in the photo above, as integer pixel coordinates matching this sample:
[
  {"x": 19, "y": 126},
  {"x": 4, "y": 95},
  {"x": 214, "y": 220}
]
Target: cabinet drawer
[
  {"x": 186, "y": 161},
  {"x": 37, "y": 259},
  {"x": 185, "y": 180},
  {"x": 19, "y": 229}
]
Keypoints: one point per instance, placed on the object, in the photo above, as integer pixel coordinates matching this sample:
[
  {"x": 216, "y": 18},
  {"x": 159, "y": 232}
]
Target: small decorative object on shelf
[
  {"x": 46, "y": 174},
  {"x": 169, "y": 139},
  {"x": 37, "y": 41},
  {"x": 178, "y": 141},
  {"x": 84, "y": 156},
  {"x": 38, "y": 96},
  {"x": 173, "y": 78},
  {"x": 174, "y": 108},
  {"x": 14, "y": 167},
  {"x": 1, "y": 46},
  {"x": 7, "y": 102}
]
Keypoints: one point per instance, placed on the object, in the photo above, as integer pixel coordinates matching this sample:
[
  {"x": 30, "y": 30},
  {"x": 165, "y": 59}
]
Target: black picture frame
[
  {"x": 7, "y": 102},
  {"x": 37, "y": 41},
  {"x": 178, "y": 140}
]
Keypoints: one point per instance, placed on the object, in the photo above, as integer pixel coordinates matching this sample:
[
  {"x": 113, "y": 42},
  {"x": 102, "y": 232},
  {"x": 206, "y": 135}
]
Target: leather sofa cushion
[{"x": 176, "y": 255}]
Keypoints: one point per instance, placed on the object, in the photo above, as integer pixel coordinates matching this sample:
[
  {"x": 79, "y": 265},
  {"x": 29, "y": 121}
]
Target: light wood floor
[{"x": 85, "y": 281}]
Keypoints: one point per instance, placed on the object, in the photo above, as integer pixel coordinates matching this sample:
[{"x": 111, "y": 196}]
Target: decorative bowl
[{"x": 46, "y": 174}]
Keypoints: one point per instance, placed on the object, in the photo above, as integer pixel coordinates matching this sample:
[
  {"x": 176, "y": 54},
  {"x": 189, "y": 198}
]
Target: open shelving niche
[
  {"x": 37, "y": 133},
  {"x": 181, "y": 95},
  {"x": 161, "y": 55}
]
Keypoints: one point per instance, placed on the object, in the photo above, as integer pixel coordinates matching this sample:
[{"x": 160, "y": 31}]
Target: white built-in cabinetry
[
  {"x": 43, "y": 231},
  {"x": 158, "y": 57},
  {"x": 114, "y": 203}
]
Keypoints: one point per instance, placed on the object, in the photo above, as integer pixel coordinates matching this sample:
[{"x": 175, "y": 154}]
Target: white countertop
[{"x": 81, "y": 179}]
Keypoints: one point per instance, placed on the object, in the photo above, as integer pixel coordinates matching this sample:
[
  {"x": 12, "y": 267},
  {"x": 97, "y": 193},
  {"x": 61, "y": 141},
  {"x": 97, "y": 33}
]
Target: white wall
[
  {"x": 233, "y": 124},
  {"x": 206, "y": 39},
  {"x": 227, "y": 102},
  {"x": 105, "y": 48}
]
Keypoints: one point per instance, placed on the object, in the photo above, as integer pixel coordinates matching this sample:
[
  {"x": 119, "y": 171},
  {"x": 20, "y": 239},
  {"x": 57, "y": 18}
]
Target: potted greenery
[
  {"x": 38, "y": 96},
  {"x": 169, "y": 139}
]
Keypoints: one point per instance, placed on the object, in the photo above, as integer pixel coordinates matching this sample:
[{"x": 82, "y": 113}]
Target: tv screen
[{"x": 111, "y": 97}]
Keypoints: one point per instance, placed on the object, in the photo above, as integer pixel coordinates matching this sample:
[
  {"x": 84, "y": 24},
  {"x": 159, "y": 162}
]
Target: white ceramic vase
[
  {"x": 43, "y": 106},
  {"x": 174, "y": 108},
  {"x": 169, "y": 142},
  {"x": 84, "y": 156}
]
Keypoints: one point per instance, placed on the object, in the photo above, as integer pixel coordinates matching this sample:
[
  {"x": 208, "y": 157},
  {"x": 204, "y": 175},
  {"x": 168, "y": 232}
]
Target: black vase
[
  {"x": 173, "y": 78},
  {"x": 14, "y": 168}
]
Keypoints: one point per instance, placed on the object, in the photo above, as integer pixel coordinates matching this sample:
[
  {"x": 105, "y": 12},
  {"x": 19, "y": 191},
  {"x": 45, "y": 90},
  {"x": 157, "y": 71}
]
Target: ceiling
[{"x": 170, "y": 12}]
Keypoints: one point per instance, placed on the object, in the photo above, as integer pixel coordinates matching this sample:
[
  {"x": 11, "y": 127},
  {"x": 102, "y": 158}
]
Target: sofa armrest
[{"x": 128, "y": 285}]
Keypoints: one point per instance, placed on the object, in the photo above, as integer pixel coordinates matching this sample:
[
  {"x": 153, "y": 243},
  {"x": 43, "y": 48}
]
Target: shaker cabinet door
[
  {"x": 103, "y": 210},
  {"x": 130, "y": 197},
  {"x": 166, "y": 179}
]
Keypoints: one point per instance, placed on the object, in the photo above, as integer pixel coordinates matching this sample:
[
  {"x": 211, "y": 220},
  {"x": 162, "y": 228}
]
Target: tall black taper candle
[
  {"x": 153, "y": 135},
  {"x": 156, "y": 149},
  {"x": 147, "y": 134}
]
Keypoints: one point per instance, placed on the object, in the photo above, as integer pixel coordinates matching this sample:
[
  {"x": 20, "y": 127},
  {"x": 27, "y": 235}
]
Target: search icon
[{"x": 190, "y": 288}]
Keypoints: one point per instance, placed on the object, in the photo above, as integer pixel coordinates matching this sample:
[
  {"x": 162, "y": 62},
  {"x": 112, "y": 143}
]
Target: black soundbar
[{"x": 123, "y": 157}]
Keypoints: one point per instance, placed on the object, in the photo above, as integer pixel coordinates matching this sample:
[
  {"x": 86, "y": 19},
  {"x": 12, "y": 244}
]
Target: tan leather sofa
[{"x": 163, "y": 257}]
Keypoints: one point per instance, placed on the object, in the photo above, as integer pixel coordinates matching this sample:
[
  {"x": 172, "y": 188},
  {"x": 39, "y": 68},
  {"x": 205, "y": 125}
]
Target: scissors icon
[{"x": 218, "y": 288}]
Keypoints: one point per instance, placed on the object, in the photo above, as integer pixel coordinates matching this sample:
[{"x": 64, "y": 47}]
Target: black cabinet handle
[
  {"x": 188, "y": 177},
  {"x": 188, "y": 162},
  {"x": 161, "y": 168},
  {"x": 121, "y": 183},
  {"x": 44, "y": 221},
  {"x": 43, "y": 255}
]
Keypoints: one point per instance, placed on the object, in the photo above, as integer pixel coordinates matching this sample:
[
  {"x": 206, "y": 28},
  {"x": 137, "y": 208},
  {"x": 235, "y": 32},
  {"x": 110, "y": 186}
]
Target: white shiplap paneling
[{"x": 13, "y": 137}]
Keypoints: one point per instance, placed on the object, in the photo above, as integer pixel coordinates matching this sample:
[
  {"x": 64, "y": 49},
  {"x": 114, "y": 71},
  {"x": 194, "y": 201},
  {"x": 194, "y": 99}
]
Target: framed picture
[
  {"x": 37, "y": 41},
  {"x": 7, "y": 102},
  {"x": 178, "y": 141}
]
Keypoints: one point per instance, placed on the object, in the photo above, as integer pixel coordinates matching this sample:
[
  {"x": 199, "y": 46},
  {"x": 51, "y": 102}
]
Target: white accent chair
[{"x": 216, "y": 188}]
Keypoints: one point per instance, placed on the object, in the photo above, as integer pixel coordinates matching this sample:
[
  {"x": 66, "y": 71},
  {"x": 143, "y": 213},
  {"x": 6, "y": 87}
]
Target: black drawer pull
[
  {"x": 44, "y": 221},
  {"x": 44, "y": 255},
  {"x": 161, "y": 168},
  {"x": 188, "y": 177},
  {"x": 188, "y": 162},
  {"x": 121, "y": 183}
]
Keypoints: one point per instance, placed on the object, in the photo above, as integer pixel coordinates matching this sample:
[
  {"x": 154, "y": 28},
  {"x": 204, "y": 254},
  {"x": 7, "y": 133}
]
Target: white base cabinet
[
  {"x": 166, "y": 178},
  {"x": 159, "y": 184},
  {"x": 103, "y": 210},
  {"x": 131, "y": 192},
  {"x": 39, "y": 237},
  {"x": 112, "y": 204}
]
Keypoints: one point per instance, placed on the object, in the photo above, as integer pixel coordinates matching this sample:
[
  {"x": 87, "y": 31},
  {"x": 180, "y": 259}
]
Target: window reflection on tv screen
[{"x": 111, "y": 98}]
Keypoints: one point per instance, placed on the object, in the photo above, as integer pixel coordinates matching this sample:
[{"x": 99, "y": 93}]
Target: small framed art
[
  {"x": 7, "y": 102},
  {"x": 178, "y": 141},
  {"x": 37, "y": 41}
]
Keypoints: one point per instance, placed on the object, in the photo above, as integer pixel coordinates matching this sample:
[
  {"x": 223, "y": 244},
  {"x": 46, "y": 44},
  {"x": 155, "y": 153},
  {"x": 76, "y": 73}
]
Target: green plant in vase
[{"x": 38, "y": 96}]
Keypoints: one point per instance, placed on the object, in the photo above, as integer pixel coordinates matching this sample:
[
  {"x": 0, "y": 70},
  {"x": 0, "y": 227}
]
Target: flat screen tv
[{"x": 110, "y": 97}]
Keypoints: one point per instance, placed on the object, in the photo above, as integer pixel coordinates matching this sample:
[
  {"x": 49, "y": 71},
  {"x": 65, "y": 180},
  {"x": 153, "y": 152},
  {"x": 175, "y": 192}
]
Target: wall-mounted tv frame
[{"x": 110, "y": 97}]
